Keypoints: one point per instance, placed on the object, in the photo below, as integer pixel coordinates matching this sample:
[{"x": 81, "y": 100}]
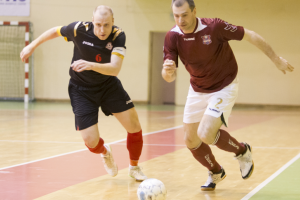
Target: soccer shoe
[
  {"x": 213, "y": 179},
  {"x": 136, "y": 173},
  {"x": 109, "y": 163},
  {"x": 246, "y": 162}
]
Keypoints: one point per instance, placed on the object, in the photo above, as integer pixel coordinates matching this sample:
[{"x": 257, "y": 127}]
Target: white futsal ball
[{"x": 152, "y": 189}]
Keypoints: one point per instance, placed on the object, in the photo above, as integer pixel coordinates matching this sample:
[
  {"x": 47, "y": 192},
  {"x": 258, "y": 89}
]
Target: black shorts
[{"x": 85, "y": 101}]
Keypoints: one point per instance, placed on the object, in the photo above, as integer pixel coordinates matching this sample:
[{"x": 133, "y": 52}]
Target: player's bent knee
[
  {"x": 206, "y": 135},
  {"x": 191, "y": 141},
  {"x": 188, "y": 141},
  {"x": 135, "y": 126},
  {"x": 91, "y": 140}
]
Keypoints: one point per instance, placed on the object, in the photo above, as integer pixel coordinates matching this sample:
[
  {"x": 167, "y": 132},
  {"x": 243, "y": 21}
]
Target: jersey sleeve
[
  {"x": 119, "y": 40},
  {"x": 69, "y": 31},
  {"x": 170, "y": 49},
  {"x": 227, "y": 31}
]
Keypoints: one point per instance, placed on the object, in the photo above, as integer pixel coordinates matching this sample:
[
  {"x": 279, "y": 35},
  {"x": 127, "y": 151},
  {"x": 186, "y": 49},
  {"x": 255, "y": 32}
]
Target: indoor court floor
[{"x": 43, "y": 157}]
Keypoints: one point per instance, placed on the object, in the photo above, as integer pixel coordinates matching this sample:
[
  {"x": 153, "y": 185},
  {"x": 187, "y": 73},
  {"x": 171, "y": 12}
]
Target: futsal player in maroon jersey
[
  {"x": 99, "y": 50},
  {"x": 202, "y": 45}
]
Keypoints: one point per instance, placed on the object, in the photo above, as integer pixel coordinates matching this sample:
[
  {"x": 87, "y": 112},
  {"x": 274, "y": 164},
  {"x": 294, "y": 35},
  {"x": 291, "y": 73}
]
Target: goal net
[{"x": 15, "y": 76}]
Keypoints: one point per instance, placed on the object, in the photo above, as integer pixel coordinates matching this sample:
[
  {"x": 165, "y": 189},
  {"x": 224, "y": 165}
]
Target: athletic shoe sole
[
  {"x": 211, "y": 189},
  {"x": 137, "y": 180},
  {"x": 250, "y": 173}
]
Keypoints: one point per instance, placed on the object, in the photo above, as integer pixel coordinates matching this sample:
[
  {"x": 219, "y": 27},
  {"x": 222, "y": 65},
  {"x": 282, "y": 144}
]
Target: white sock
[{"x": 132, "y": 167}]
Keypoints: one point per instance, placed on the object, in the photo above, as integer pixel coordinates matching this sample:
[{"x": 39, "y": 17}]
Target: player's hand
[
  {"x": 81, "y": 65},
  {"x": 169, "y": 66},
  {"x": 283, "y": 65},
  {"x": 26, "y": 52}
]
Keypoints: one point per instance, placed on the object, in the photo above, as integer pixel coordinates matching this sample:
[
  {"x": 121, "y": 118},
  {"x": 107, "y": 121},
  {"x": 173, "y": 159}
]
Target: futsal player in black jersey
[{"x": 99, "y": 50}]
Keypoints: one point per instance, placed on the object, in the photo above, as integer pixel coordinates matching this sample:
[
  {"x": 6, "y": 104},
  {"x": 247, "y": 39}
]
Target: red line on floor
[{"x": 37, "y": 179}]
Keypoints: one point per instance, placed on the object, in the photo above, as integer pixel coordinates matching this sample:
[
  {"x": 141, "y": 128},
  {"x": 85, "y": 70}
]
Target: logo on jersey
[
  {"x": 129, "y": 101},
  {"x": 109, "y": 46},
  {"x": 188, "y": 39},
  {"x": 98, "y": 58},
  {"x": 88, "y": 43},
  {"x": 206, "y": 39}
]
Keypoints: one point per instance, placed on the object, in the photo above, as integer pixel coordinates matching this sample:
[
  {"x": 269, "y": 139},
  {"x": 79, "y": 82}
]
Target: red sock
[
  {"x": 99, "y": 148},
  {"x": 204, "y": 155},
  {"x": 135, "y": 145},
  {"x": 228, "y": 143}
]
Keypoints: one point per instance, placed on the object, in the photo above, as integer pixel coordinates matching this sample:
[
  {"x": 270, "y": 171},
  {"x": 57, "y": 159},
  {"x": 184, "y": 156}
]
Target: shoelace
[{"x": 244, "y": 158}]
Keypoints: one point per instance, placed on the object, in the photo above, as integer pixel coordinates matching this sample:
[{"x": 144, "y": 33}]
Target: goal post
[{"x": 16, "y": 77}]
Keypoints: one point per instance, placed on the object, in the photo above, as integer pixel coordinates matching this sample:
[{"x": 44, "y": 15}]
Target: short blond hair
[{"x": 101, "y": 9}]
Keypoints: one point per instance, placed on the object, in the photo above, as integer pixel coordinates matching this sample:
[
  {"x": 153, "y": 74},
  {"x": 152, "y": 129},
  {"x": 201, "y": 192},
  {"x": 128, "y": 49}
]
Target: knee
[
  {"x": 135, "y": 126},
  {"x": 90, "y": 140},
  {"x": 191, "y": 141},
  {"x": 188, "y": 139},
  {"x": 207, "y": 135}
]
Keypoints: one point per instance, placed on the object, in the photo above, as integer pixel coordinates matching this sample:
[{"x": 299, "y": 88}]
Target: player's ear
[
  {"x": 194, "y": 11},
  {"x": 113, "y": 20}
]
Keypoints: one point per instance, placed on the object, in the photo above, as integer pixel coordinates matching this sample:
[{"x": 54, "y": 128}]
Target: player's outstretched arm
[
  {"x": 29, "y": 49},
  {"x": 169, "y": 70},
  {"x": 260, "y": 43},
  {"x": 112, "y": 69}
]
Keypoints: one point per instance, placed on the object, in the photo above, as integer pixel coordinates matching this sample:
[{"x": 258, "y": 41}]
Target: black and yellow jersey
[{"x": 87, "y": 46}]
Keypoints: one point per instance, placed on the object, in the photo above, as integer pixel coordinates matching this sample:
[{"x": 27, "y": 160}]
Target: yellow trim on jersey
[
  {"x": 118, "y": 54},
  {"x": 115, "y": 30},
  {"x": 75, "y": 28},
  {"x": 86, "y": 25},
  {"x": 59, "y": 33},
  {"x": 58, "y": 30},
  {"x": 117, "y": 33}
]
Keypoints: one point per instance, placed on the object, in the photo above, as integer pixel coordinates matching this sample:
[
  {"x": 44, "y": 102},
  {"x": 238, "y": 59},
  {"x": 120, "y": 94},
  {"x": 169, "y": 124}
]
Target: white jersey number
[{"x": 230, "y": 27}]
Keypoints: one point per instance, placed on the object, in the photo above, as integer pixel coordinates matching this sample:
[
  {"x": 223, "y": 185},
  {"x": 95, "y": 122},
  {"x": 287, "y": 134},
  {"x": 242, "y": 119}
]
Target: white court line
[
  {"x": 82, "y": 142},
  {"x": 182, "y": 145},
  {"x": 59, "y": 142},
  {"x": 263, "y": 184},
  {"x": 276, "y": 147},
  {"x": 168, "y": 129}
]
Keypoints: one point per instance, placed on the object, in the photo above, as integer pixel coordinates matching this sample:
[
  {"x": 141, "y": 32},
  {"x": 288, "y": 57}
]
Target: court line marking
[
  {"x": 213, "y": 146},
  {"x": 268, "y": 180},
  {"x": 59, "y": 142},
  {"x": 276, "y": 147},
  {"x": 168, "y": 129}
]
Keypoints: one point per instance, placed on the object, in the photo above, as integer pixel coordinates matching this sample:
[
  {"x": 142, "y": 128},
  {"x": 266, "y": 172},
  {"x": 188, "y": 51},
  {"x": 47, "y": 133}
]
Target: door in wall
[{"x": 160, "y": 91}]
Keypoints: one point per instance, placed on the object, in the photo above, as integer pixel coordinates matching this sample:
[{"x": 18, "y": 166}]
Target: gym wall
[{"x": 260, "y": 82}]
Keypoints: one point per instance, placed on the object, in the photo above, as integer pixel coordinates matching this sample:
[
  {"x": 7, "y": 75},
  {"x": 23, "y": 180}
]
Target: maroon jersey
[{"x": 205, "y": 53}]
